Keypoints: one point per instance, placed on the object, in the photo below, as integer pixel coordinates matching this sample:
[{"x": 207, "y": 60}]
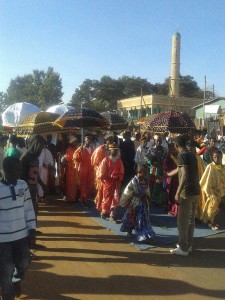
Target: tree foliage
[
  {"x": 189, "y": 87},
  {"x": 40, "y": 88},
  {"x": 103, "y": 94}
]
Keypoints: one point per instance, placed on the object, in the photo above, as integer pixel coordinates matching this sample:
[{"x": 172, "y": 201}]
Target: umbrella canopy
[
  {"x": 59, "y": 109},
  {"x": 174, "y": 122},
  {"x": 82, "y": 118},
  {"x": 16, "y": 113},
  {"x": 116, "y": 122},
  {"x": 39, "y": 123},
  {"x": 5, "y": 129}
]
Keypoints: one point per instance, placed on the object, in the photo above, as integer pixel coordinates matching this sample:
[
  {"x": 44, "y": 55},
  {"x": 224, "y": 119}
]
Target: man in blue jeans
[{"x": 17, "y": 227}]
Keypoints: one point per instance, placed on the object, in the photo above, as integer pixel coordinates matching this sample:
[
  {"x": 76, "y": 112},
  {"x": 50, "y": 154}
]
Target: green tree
[
  {"x": 134, "y": 86},
  {"x": 162, "y": 88},
  {"x": 189, "y": 87},
  {"x": 108, "y": 91},
  {"x": 40, "y": 88},
  {"x": 85, "y": 94},
  {"x": 103, "y": 95}
]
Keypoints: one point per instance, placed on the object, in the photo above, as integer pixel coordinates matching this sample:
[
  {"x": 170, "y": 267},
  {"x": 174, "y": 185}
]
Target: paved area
[{"x": 82, "y": 260}]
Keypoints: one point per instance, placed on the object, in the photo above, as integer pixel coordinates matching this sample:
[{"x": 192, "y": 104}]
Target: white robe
[{"x": 45, "y": 160}]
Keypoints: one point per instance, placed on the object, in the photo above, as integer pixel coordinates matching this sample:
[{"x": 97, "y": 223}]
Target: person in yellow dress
[{"x": 213, "y": 189}]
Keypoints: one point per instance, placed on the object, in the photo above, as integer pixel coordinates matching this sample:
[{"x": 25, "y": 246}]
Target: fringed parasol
[
  {"x": 116, "y": 122},
  {"x": 40, "y": 123},
  {"x": 82, "y": 118},
  {"x": 171, "y": 121}
]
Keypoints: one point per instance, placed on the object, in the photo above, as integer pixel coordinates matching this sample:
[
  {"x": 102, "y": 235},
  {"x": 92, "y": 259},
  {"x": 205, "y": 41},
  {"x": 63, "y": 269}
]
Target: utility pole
[
  {"x": 141, "y": 103},
  {"x": 203, "y": 106}
]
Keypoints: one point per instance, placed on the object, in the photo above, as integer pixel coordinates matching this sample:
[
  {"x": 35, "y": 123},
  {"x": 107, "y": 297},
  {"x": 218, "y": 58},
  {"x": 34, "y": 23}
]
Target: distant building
[
  {"x": 211, "y": 108},
  {"x": 211, "y": 114},
  {"x": 138, "y": 107}
]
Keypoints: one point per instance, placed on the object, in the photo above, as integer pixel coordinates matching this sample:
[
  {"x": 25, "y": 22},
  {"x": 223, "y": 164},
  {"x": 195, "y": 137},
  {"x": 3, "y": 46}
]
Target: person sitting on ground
[
  {"x": 136, "y": 198},
  {"x": 17, "y": 223},
  {"x": 213, "y": 189}
]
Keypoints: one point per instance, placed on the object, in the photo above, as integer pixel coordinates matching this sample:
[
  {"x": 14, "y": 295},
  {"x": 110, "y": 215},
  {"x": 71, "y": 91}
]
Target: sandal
[
  {"x": 33, "y": 256},
  {"x": 214, "y": 226}
]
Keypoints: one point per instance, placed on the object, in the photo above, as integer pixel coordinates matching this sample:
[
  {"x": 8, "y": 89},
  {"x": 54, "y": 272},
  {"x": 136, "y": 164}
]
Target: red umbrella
[{"x": 172, "y": 121}]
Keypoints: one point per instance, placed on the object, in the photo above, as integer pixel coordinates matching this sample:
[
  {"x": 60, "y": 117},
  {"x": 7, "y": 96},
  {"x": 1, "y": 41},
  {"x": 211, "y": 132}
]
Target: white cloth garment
[{"x": 45, "y": 161}]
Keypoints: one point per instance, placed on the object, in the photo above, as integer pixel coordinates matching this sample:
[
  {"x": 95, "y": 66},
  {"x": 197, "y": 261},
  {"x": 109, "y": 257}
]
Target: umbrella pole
[{"x": 82, "y": 136}]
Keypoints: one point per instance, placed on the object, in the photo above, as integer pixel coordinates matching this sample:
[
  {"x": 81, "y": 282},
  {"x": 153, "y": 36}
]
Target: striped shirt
[{"x": 16, "y": 211}]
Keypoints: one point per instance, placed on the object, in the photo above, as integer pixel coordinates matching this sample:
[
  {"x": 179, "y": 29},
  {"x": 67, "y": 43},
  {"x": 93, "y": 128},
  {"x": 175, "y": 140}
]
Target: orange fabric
[
  {"x": 82, "y": 160},
  {"x": 71, "y": 176},
  {"x": 111, "y": 174},
  {"x": 97, "y": 157}
]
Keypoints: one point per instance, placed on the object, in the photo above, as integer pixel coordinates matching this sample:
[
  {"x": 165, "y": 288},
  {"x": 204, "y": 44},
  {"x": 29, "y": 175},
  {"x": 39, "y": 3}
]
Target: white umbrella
[
  {"x": 16, "y": 113},
  {"x": 59, "y": 109}
]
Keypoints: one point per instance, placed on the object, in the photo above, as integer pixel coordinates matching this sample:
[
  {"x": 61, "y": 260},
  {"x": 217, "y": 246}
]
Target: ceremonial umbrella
[
  {"x": 81, "y": 118},
  {"x": 16, "y": 113},
  {"x": 171, "y": 121},
  {"x": 39, "y": 123},
  {"x": 59, "y": 109},
  {"x": 5, "y": 129},
  {"x": 116, "y": 122}
]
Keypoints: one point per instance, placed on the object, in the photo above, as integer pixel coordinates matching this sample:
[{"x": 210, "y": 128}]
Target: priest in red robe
[
  {"x": 82, "y": 160},
  {"x": 111, "y": 172}
]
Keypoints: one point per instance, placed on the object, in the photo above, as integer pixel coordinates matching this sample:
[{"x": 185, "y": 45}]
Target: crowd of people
[{"x": 184, "y": 175}]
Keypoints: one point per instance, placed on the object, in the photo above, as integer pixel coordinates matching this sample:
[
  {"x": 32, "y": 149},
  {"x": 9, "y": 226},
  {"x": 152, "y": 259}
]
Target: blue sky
[{"x": 88, "y": 39}]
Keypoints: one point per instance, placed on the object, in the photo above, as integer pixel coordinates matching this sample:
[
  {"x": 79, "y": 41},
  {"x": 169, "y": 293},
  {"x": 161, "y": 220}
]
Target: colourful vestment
[
  {"x": 82, "y": 160},
  {"x": 201, "y": 169},
  {"x": 155, "y": 159},
  {"x": 97, "y": 157},
  {"x": 70, "y": 175},
  {"x": 136, "y": 199},
  {"x": 111, "y": 172},
  {"x": 213, "y": 189}
]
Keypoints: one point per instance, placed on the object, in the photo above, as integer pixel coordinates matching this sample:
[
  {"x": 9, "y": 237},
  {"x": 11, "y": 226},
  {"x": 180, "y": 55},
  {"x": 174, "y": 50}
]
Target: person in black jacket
[{"x": 127, "y": 151}]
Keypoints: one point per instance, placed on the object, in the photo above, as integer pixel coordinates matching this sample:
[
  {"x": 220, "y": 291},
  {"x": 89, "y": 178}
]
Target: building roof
[{"x": 208, "y": 102}]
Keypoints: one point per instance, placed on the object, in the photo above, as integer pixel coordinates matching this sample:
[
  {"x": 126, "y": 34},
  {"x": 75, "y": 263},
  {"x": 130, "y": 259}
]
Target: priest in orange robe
[
  {"x": 97, "y": 157},
  {"x": 111, "y": 172},
  {"x": 82, "y": 160},
  {"x": 70, "y": 171}
]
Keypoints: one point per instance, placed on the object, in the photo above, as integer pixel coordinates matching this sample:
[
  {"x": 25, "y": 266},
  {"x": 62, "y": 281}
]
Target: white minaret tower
[{"x": 175, "y": 66}]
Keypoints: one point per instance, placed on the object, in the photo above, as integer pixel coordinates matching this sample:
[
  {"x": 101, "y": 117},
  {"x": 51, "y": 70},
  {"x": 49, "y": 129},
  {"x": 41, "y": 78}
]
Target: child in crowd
[
  {"x": 136, "y": 198},
  {"x": 17, "y": 228}
]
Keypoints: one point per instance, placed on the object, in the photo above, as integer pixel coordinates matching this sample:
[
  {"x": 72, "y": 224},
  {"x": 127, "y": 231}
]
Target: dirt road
[{"x": 82, "y": 260}]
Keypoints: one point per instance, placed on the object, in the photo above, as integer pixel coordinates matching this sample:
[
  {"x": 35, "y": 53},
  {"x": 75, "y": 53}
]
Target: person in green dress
[{"x": 12, "y": 150}]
